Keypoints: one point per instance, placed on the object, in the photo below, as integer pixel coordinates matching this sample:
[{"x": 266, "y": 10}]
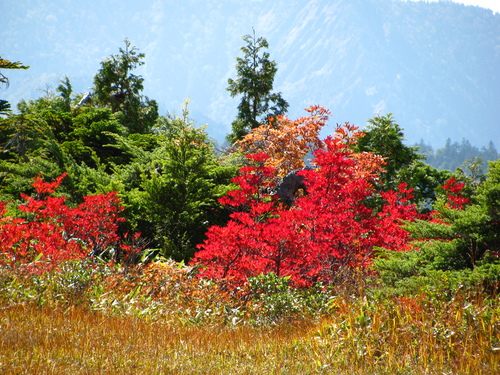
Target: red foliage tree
[
  {"x": 52, "y": 231},
  {"x": 455, "y": 197},
  {"x": 331, "y": 226}
]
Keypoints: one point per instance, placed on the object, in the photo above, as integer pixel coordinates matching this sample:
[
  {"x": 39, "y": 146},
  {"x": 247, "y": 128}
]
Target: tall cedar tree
[{"x": 255, "y": 78}]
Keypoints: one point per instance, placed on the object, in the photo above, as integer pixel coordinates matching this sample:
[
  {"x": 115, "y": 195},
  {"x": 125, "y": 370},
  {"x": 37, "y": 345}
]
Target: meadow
[{"x": 161, "y": 319}]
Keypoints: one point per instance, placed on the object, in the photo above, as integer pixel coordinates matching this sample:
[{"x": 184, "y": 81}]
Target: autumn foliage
[
  {"x": 454, "y": 194},
  {"x": 286, "y": 142},
  {"x": 50, "y": 231},
  {"x": 335, "y": 224}
]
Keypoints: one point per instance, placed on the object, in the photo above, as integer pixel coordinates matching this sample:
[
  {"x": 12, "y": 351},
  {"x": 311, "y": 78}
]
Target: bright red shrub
[
  {"x": 329, "y": 227},
  {"x": 53, "y": 232}
]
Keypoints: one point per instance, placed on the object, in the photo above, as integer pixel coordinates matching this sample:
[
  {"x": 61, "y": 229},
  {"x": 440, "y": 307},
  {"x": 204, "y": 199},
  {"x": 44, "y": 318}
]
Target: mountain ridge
[{"x": 435, "y": 66}]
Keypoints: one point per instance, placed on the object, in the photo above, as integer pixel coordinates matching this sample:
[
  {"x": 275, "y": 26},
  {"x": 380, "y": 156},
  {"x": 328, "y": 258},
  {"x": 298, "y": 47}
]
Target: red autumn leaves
[
  {"x": 335, "y": 223},
  {"x": 50, "y": 231},
  {"x": 455, "y": 199}
]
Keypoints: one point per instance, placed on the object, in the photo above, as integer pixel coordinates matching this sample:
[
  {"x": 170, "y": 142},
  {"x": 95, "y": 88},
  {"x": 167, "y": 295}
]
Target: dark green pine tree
[
  {"x": 115, "y": 87},
  {"x": 255, "y": 77},
  {"x": 176, "y": 187},
  {"x": 385, "y": 137}
]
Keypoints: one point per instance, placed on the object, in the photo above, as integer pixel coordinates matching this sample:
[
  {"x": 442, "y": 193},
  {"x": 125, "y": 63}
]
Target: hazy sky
[{"x": 491, "y": 4}]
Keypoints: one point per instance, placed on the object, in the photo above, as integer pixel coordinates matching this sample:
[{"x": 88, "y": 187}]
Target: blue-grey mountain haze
[{"x": 435, "y": 66}]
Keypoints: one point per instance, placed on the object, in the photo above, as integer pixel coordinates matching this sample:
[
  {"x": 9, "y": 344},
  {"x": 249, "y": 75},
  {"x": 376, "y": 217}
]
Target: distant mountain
[{"x": 435, "y": 66}]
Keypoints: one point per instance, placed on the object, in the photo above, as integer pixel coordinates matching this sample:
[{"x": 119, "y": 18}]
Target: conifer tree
[
  {"x": 461, "y": 242},
  {"x": 255, "y": 77},
  {"x": 385, "y": 137},
  {"x": 115, "y": 87},
  {"x": 178, "y": 185},
  {"x": 6, "y": 64},
  {"x": 403, "y": 164}
]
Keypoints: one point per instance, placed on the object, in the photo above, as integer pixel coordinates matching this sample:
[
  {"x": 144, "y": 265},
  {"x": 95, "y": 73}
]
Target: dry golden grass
[
  {"x": 43, "y": 340},
  {"x": 106, "y": 331},
  {"x": 47, "y": 341}
]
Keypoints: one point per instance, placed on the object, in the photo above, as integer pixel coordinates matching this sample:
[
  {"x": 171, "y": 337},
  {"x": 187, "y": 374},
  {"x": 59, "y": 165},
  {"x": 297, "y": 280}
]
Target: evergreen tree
[
  {"x": 91, "y": 142},
  {"x": 385, "y": 137},
  {"x": 461, "y": 242},
  {"x": 6, "y": 64},
  {"x": 115, "y": 87},
  {"x": 490, "y": 153},
  {"x": 173, "y": 189},
  {"x": 454, "y": 155},
  {"x": 255, "y": 78},
  {"x": 65, "y": 90},
  {"x": 50, "y": 137}
]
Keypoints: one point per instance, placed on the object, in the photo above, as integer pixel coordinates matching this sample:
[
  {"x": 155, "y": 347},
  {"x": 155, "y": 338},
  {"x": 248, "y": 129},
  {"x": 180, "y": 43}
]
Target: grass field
[{"x": 163, "y": 321}]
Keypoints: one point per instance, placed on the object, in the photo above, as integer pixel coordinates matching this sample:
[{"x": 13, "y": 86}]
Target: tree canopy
[
  {"x": 359, "y": 191},
  {"x": 117, "y": 88},
  {"x": 255, "y": 78},
  {"x": 6, "y": 64}
]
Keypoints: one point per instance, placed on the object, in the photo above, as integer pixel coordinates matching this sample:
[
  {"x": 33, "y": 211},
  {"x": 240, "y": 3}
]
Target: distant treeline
[{"x": 454, "y": 154}]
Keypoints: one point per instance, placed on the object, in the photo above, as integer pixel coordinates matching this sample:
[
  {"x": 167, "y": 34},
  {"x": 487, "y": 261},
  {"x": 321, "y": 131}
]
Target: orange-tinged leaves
[{"x": 286, "y": 142}]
